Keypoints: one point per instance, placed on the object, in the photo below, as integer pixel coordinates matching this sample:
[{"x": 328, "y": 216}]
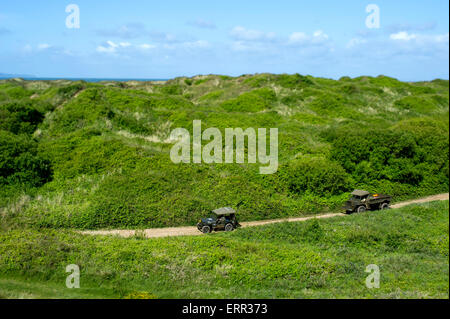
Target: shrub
[
  {"x": 169, "y": 102},
  {"x": 20, "y": 117},
  {"x": 225, "y": 77},
  {"x": 173, "y": 89},
  {"x": 386, "y": 81},
  {"x": 309, "y": 118},
  {"x": 314, "y": 232},
  {"x": 399, "y": 155},
  {"x": 257, "y": 80},
  {"x": 328, "y": 103},
  {"x": 70, "y": 90},
  {"x": 253, "y": 101},
  {"x": 18, "y": 92},
  {"x": 214, "y": 95},
  {"x": 292, "y": 99},
  {"x": 20, "y": 162},
  {"x": 349, "y": 89},
  {"x": 413, "y": 103},
  {"x": 345, "y": 79},
  {"x": 316, "y": 175},
  {"x": 293, "y": 81},
  {"x": 201, "y": 81}
]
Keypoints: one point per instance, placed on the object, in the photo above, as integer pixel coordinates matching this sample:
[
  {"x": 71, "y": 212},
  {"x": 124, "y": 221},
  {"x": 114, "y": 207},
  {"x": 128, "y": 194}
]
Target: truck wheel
[
  {"x": 229, "y": 227},
  {"x": 384, "y": 206},
  {"x": 206, "y": 229},
  {"x": 361, "y": 209}
]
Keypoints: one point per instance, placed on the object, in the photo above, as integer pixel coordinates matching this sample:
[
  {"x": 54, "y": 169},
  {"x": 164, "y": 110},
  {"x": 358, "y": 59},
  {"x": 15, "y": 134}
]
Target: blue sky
[{"x": 165, "y": 39}]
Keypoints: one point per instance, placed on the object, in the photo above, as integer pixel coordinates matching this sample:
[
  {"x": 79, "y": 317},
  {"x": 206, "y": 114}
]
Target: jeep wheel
[
  {"x": 206, "y": 229},
  {"x": 384, "y": 206},
  {"x": 229, "y": 227},
  {"x": 361, "y": 209}
]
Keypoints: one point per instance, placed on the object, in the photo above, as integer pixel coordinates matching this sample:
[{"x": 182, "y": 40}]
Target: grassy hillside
[
  {"x": 312, "y": 259},
  {"x": 96, "y": 155}
]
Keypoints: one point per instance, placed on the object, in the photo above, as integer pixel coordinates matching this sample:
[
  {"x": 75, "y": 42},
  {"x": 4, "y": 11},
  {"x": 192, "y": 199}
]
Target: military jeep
[
  {"x": 361, "y": 200},
  {"x": 220, "y": 219}
]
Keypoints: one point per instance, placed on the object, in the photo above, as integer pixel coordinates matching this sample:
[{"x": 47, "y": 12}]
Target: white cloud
[
  {"x": 111, "y": 47},
  {"x": 46, "y": 49},
  {"x": 241, "y": 33},
  {"x": 412, "y": 27},
  {"x": 301, "y": 38},
  {"x": 414, "y": 46},
  {"x": 139, "y": 30},
  {"x": 355, "y": 41},
  {"x": 402, "y": 36},
  {"x": 270, "y": 43},
  {"x": 126, "y": 48},
  {"x": 196, "y": 44},
  {"x": 188, "y": 45},
  {"x": 106, "y": 49},
  {"x": 147, "y": 46},
  {"x": 128, "y": 31},
  {"x": 40, "y": 47},
  {"x": 298, "y": 37},
  {"x": 43, "y": 46},
  {"x": 247, "y": 46},
  {"x": 319, "y": 35},
  {"x": 421, "y": 39}
]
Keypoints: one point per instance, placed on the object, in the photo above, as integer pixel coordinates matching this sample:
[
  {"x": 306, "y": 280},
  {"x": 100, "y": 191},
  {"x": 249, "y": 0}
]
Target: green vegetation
[
  {"x": 19, "y": 162},
  {"x": 324, "y": 258},
  {"x": 77, "y": 155},
  {"x": 253, "y": 101},
  {"x": 96, "y": 155}
]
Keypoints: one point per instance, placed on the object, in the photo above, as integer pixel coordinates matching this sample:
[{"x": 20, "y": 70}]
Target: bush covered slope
[
  {"x": 324, "y": 258},
  {"x": 96, "y": 155}
]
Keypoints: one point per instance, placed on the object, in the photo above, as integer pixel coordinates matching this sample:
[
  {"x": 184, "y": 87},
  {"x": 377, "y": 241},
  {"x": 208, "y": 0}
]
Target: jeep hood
[
  {"x": 350, "y": 203},
  {"x": 208, "y": 220}
]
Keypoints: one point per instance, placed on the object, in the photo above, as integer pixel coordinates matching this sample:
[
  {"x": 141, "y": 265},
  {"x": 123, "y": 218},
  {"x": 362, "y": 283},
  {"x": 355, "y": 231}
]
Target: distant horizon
[
  {"x": 4, "y": 76},
  {"x": 50, "y": 78}
]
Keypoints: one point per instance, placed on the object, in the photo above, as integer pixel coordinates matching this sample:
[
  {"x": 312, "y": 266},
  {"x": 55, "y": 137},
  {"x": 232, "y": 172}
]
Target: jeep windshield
[{"x": 355, "y": 197}]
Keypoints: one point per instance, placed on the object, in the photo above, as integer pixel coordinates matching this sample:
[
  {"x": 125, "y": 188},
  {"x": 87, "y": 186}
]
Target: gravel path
[{"x": 191, "y": 230}]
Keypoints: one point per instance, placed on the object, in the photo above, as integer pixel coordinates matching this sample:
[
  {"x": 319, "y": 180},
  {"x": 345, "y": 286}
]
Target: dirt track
[{"x": 191, "y": 230}]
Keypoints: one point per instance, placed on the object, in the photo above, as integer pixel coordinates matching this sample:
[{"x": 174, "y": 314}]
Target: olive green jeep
[{"x": 220, "y": 219}]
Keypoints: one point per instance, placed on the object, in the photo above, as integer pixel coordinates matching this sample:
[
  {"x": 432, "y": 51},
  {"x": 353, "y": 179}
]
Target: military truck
[
  {"x": 223, "y": 218},
  {"x": 361, "y": 200}
]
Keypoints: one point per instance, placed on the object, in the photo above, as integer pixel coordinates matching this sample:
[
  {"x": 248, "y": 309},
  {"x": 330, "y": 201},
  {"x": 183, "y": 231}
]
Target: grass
[{"x": 312, "y": 259}]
